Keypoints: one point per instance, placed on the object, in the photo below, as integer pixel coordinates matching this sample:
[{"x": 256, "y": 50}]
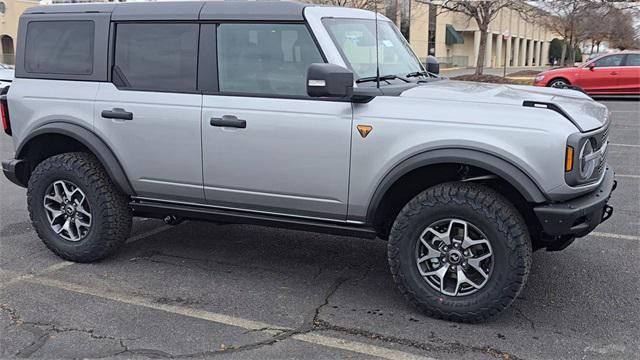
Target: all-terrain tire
[
  {"x": 490, "y": 212},
  {"x": 110, "y": 213}
]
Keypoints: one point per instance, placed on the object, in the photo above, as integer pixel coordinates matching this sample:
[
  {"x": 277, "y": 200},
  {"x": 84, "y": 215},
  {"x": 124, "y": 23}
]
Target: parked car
[
  {"x": 6, "y": 75},
  {"x": 277, "y": 114},
  {"x": 609, "y": 74}
]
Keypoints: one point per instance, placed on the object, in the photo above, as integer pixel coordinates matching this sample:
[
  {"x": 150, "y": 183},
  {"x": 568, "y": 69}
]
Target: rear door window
[
  {"x": 632, "y": 60},
  {"x": 157, "y": 57},
  {"x": 60, "y": 47}
]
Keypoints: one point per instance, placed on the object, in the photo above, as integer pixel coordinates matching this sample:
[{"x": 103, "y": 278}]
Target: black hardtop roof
[{"x": 185, "y": 10}]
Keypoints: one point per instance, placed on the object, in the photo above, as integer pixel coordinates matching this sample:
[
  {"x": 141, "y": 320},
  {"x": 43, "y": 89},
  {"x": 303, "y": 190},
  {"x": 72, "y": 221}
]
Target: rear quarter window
[{"x": 60, "y": 47}]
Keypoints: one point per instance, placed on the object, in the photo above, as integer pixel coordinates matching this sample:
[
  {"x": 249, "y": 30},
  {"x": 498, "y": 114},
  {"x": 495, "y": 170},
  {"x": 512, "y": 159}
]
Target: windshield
[{"x": 356, "y": 41}]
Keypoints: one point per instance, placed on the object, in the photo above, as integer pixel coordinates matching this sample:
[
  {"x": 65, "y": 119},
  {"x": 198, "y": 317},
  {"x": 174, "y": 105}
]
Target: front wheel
[
  {"x": 558, "y": 83},
  {"x": 460, "y": 252}
]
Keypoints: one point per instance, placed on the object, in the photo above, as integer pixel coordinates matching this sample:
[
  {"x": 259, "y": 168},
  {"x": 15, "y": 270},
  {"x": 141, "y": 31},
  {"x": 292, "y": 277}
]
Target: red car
[{"x": 610, "y": 74}]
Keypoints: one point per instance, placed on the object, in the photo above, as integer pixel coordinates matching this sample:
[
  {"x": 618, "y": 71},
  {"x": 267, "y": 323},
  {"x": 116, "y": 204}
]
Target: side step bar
[{"x": 159, "y": 209}]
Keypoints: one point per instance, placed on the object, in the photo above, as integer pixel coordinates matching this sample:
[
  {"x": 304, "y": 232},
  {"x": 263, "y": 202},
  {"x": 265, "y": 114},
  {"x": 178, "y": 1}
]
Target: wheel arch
[
  {"x": 406, "y": 180},
  {"x": 57, "y": 137}
]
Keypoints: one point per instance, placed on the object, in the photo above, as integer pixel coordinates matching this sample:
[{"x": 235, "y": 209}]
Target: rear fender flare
[{"x": 91, "y": 141}]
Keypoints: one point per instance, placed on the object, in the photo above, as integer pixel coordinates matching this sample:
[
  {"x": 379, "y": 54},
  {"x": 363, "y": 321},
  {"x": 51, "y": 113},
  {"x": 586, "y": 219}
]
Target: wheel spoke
[
  {"x": 65, "y": 226},
  {"x": 431, "y": 252},
  {"x": 475, "y": 263},
  {"x": 440, "y": 273},
  {"x": 468, "y": 242},
  {"x": 54, "y": 215},
  {"x": 67, "y": 192},
  {"x": 463, "y": 279},
  {"x": 55, "y": 198}
]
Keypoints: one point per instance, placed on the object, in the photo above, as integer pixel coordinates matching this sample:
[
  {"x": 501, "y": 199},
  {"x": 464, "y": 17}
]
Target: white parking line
[
  {"x": 624, "y": 145},
  {"x": 17, "y": 278},
  {"x": 628, "y": 176},
  {"x": 353, "y": 346},
  {"x": 61, "y": 265},
  {"x": 615, "y": 236}
]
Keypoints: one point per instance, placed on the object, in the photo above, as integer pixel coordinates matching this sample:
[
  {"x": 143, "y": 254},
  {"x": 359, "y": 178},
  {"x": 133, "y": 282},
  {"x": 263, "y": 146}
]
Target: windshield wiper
[
  {"x": 382, "y": 78},
  {"x": 416, "y": 74}
]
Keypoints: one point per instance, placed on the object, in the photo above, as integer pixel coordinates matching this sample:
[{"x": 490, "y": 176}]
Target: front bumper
[
  {"x": 15, "y": 170},
  {"x": 579, "y": 216}
]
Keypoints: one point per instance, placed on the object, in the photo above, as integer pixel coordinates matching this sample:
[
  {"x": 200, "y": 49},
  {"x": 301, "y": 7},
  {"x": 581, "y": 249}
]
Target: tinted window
[
  {"x": 610, "y": 61},
  {"x": 633, "y": 60},
  {"x": 59, "y": 47},
  {"x": 156, "y": 56},
  {"x": 265, "y": 58}
]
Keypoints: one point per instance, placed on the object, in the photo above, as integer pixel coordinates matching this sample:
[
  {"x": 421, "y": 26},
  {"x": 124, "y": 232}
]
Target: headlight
[
  {"x": 588, "y": 159},
  {"x": 585, "y": 157},
  {"x": 539, "y": 78}
]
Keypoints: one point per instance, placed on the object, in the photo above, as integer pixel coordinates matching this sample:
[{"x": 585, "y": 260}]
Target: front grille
[{"x": 603, "y": 140}]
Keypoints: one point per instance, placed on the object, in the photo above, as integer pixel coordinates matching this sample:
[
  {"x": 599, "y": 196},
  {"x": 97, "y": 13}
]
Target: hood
[{"x": 579, "y": 108}]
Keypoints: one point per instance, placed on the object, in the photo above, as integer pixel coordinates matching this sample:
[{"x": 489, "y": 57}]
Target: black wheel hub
[{"x": 455, "y": 257}]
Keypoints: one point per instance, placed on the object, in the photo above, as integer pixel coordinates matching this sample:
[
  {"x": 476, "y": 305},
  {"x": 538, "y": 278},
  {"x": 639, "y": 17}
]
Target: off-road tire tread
[
  {"x": 494, "y": 207},
  {"x": 112, "y": 205}
]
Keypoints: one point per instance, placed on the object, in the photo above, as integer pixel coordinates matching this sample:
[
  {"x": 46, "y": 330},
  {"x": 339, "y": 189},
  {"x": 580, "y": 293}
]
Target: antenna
[{"x": 377, "y": 50}]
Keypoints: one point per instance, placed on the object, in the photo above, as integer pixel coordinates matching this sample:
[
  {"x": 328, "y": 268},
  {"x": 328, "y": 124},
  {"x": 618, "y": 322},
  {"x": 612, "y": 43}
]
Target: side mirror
[
  {"x": 329, "y": 80},
  {"x": 591, "y": 66},
  {"x": 432, "y": 65}
]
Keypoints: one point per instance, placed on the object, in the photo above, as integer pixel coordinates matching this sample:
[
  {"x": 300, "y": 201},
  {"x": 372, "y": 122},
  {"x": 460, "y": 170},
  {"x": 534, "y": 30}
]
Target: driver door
[
  {"x": 604, "y": 77},
  {"x": 266, "y": 145}
]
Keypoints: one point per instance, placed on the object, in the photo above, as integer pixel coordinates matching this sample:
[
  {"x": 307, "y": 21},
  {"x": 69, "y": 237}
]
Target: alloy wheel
[
  {"x": 67, "y": 210},
  {"x": 454, "y": 257}
]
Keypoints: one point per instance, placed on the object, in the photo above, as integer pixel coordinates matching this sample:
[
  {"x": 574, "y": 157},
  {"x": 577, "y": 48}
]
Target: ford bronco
[{"x": 299, "y": 116}]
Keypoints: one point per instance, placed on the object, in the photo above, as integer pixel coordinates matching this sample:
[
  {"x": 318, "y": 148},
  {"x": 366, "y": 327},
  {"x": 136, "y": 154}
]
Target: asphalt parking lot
[{"x": 243, "y": 292}]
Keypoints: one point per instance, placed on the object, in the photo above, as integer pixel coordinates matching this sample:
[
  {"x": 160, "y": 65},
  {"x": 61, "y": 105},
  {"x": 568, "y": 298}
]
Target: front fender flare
[
  {"x": 91, "y": 141},
  {"x": 496, "y": 165}
]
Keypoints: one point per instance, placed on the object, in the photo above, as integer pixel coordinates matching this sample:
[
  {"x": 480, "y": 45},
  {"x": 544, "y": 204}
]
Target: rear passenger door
[
  {"x": 267, "y": 146},
  {"x": 630, "y": 75},
  {"x": 150, "y": 111}
]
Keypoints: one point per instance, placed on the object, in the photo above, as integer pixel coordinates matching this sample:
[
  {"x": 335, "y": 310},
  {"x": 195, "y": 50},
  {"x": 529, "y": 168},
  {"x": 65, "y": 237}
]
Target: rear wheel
[
  {"x": 460, "y": 251},
  {"x": 76, "y": 209}
]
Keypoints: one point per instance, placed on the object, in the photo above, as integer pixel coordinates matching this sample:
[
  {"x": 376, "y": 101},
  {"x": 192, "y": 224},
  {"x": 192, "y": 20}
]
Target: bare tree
[
  {"x": 359, "y": 4},
  {"x": 483, "y": 13}
]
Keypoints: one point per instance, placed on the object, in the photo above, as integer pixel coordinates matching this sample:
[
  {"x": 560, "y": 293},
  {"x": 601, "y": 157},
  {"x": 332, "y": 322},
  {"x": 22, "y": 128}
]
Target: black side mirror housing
[
  {"x": 591, "y": 66},
  {"x": 432, "y": 65},
  {"x": 329, "y": 80}
]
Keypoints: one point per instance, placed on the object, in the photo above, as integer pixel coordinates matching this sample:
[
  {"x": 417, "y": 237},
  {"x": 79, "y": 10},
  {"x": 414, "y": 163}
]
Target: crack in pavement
[
  {"x": 41, "y": 336},
  {"x": 450, "y": 347},
  {"x": 521, "y": 313},
  {"x": 313, "y": 323}
]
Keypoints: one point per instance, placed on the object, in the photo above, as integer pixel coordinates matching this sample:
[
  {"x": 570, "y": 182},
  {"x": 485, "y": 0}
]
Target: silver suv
[{"x": 281, "y": 114}]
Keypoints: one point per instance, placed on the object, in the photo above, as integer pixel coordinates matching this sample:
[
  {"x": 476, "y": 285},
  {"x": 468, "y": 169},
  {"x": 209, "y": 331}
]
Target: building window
[{"x": 431, "y": 37}]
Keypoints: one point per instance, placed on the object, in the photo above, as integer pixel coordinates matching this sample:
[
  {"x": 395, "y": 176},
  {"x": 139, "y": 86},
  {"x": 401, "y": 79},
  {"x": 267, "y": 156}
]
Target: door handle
[
  {"x": 228, "y": 121},
  {"x": 117, "y": 113},
  {"x": 613, "y": 73}
]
